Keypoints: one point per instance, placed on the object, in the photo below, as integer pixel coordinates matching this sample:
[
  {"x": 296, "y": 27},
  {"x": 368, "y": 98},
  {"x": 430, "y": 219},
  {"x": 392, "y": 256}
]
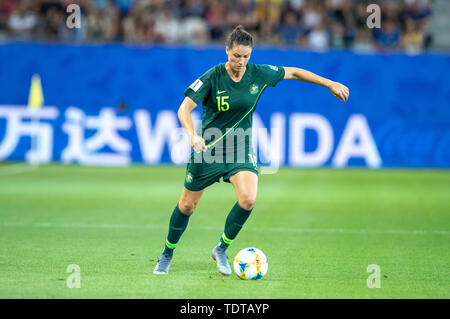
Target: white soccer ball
[{"x": 250, "y": 263}]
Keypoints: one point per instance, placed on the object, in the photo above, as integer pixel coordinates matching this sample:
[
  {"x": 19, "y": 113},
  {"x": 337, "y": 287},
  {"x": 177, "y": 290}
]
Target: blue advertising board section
[{"x": 116, "y": 105}]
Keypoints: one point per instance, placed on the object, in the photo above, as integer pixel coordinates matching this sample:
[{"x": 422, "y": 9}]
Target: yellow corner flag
[{"x": 36, "y": 97}]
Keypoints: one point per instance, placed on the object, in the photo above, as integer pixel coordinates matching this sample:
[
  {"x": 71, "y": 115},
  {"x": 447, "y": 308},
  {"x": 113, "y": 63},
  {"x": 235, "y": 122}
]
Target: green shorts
[{"x": 200, "y": 175}]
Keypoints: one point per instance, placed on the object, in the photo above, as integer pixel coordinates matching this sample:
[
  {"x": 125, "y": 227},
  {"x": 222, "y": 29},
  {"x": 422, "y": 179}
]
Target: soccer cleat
[
  {"x": 219, "y": 255},
  {"x": 162, "y": 267}
]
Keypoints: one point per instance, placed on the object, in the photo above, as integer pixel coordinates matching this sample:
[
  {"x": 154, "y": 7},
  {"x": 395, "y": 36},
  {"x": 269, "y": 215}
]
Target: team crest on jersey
[
  {"x": 189, "y": 178},
  {"x": 254, "y": 88}
]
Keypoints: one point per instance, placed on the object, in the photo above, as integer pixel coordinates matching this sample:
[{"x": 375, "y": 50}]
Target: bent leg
[
  {"x": 189, "y": 200},
  {"x": 178, "y": 223},
  {"x": 245, "y": 185},
  {"x": 180, "y": 218}
]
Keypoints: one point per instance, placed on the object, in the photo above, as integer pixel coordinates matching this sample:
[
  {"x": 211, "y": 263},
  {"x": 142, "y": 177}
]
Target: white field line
[
  {"x": 258, "y": 229},
  {"x": 14, "y": 169}
]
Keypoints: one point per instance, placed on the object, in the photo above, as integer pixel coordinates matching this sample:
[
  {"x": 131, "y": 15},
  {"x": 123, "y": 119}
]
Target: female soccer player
[{"x": 229, "y": 93}]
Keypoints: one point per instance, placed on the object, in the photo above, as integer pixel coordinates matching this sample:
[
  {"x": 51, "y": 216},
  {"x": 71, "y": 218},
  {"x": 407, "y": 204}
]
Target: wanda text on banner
[{"x": 109, "y": 138}]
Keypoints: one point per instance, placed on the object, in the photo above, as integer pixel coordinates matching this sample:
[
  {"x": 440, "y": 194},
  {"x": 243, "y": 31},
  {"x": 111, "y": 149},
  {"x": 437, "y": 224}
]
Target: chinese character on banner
[
  {"x": 86, "y": 151},
  {"x": 19, "y": 123}
]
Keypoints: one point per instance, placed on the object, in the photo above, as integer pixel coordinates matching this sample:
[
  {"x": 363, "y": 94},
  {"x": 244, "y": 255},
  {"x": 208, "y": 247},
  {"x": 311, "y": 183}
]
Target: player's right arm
[
  {"x": 184, "y": 115},
  {"x": 196, "y": 93}
]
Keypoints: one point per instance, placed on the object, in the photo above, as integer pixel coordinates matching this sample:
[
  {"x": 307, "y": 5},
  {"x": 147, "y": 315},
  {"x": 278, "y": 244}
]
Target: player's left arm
[{"x": 339, "y": 90}]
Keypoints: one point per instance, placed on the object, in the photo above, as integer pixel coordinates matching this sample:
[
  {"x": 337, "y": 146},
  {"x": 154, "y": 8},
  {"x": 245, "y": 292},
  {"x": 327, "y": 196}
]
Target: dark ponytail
[{"x": 239, "y": 37}]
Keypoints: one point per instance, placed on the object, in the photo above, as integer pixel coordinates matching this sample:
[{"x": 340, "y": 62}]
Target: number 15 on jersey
[{"x": 222, "y": 104}]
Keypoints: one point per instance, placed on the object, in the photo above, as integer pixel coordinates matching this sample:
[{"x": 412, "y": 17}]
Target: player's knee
[
  {"x": 247, "y": 201},
  {"x": 187, "y": 208}
]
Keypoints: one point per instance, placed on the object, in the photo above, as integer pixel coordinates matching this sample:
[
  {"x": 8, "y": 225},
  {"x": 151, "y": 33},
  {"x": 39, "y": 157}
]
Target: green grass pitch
[{"x": 320, "y": 230}]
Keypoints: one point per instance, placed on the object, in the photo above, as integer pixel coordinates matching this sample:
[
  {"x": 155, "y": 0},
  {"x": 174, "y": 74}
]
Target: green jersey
[{"x": 229, "y": 105}]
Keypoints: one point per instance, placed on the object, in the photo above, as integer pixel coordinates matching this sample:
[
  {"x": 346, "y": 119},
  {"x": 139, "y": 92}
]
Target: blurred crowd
[{"x": 314, "y": 24}]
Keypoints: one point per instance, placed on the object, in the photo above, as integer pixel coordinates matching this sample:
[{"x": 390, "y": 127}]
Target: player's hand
[
  {"x": 339, "y": 90},
  {"x": 198, "y": 143}
]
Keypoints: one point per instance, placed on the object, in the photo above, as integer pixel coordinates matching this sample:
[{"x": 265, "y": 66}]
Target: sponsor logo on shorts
[{"x": 189, "y": 178}]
